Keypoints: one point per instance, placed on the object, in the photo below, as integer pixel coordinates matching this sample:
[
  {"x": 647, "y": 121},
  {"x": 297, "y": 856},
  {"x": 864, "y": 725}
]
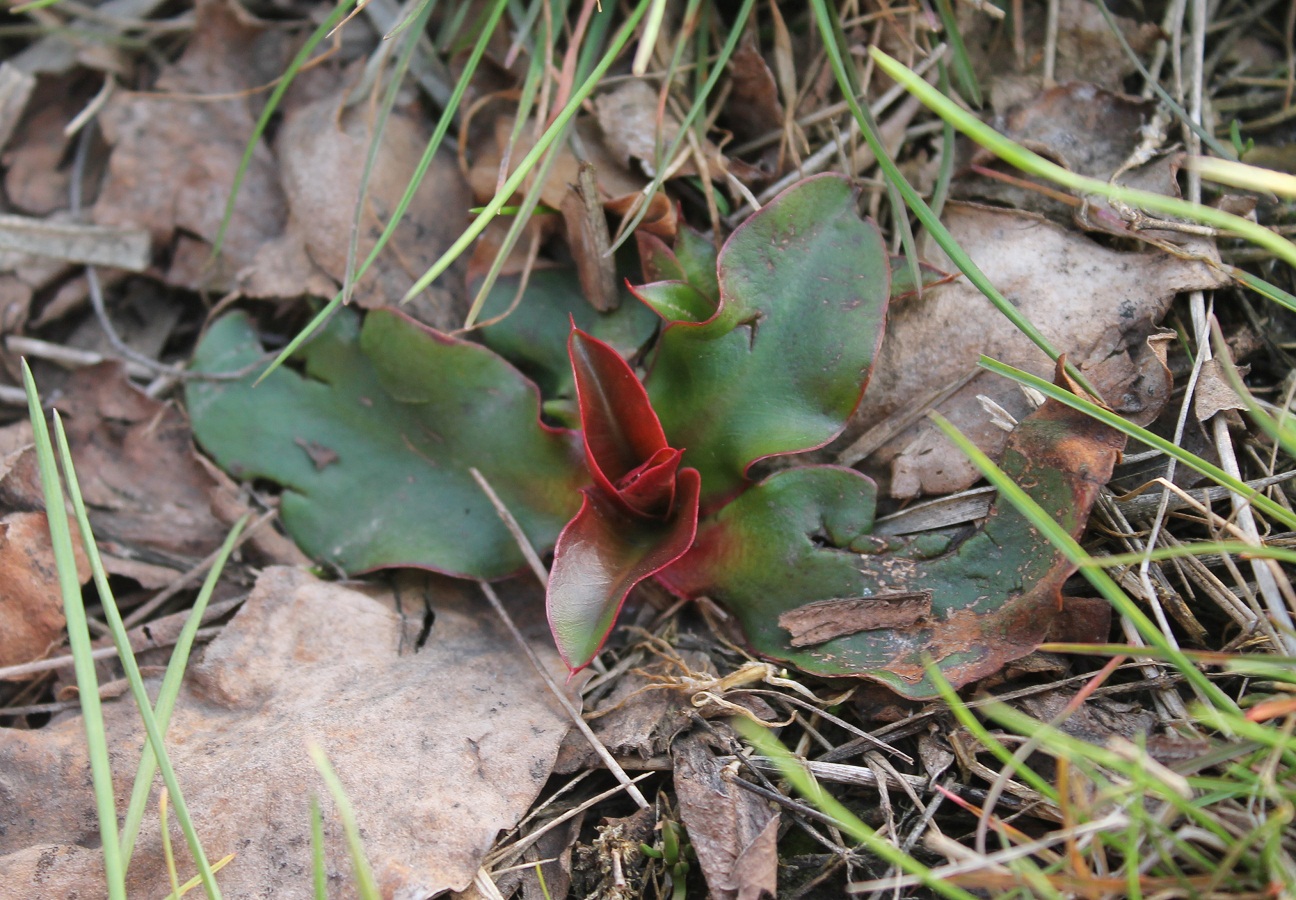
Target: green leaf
[
  {"x": 782, "y": 364},
  {"x": 697, "y": 259},
  {"x": 534, "y": 335},
  {"x": 792, "y": 559},
  {"x": 676, "y": 301},
  {"x": 373, "y": 443}
]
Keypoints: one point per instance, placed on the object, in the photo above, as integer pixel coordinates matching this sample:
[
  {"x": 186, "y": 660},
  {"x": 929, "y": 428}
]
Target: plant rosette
[{"x": 764, "y": 350}]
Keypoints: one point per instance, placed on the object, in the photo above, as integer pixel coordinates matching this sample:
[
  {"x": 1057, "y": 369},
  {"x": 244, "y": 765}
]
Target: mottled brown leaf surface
[
  {"x": 1086, "y": 48},
  {"x": 175, "y": 156},
  {"x": 824, "y": 620},
  {"x": 439, "y": 748},
  {"x": 31, "y": 604}
]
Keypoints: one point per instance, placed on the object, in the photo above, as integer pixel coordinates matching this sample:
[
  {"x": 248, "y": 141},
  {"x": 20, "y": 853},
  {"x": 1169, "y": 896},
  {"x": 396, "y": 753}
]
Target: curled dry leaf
[
  {"x": 148, "y": 496},
  {"x": 321, "y": 150},
  {"x": 1099, "y": 306},
  {"x": 733, "y": 832},
  {"x": 174, "y": 157},
  {"x": 753, "y": 107},
  {"x": 31, "y": 606},
  {"x": 305, "y": 661}
]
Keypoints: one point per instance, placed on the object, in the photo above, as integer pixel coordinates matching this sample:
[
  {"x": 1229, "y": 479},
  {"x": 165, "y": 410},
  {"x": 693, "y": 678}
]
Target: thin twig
[
  {"x": 604, "y": 754},
  {"x": 519, "y": 536}
]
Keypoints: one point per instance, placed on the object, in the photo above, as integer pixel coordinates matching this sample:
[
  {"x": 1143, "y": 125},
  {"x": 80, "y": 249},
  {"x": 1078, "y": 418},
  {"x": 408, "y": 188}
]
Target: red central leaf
[
  {"x": 625, "y": 446},
  {"x": 639, "y": 516}
]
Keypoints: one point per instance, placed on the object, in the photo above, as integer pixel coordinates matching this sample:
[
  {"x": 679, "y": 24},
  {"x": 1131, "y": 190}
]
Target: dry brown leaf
[
  {"x": 321, "y": 148},
  {"x": 174, "y": 158},
  {"x": 1214, "y": 394},
  {"x": 1097, "y": 305},
  {"x": 31, "y": 605},
  {"x": 634, "y": 128},
  {"x": 1086, "y": 49},
  {"x": 1087, "y": 129},
  {"x": 733, "y": 832},
  {"x": 641, "y": 714},
  {"x": 438, "y": 748},
  {"x": 36, "y": 181},
  {"x": 148, "y": 496},
  {"x": 614, "y": 179},
  {"x": 752, "y": 108}
]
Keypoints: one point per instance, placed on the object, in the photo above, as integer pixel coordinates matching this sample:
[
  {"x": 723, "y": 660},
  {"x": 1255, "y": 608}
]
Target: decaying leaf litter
[{"x": 307, "y": 657}]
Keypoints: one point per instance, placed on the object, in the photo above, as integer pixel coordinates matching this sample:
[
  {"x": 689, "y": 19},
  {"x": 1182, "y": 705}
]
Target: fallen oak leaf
[
  {"x": 305, "y": 660},
  {"x": 1096, "y": 304}
]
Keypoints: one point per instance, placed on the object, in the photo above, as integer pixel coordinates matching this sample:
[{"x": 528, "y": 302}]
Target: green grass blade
[
  {"x": 79, "y": 640},
  {"x": 940, "y": 191},
  {"x": 319, "y": 873},
  {"x": 969, "y": 721},
  {"x": 169, "y": 691},
  {"x": 272, "y": 103},
  {"x": 1223, "y": 548},
  {"x": 1057, "y": 536},
  {"x": 916, "y": 203},
  {"x": 1107, "y": 417},
  {"x": 516, "y": 227},
  {"x": 719, "y": 66},
  {"x": 531, "y": 201},
  {"x": 1241, "y": 175},
  {"x": 397, "y": 78},
  {"x": 1034, "y": 164},
  {"x": 962, "y": 62},
  {"x": 127, "y": 659},
  {"x": 429, "y": 153},
  {"x": 1264, "y": 288},
  {"x": 366, "y": 885},
  {"x": 514, "y": 181},
  {"x": 794, "y": 772}
]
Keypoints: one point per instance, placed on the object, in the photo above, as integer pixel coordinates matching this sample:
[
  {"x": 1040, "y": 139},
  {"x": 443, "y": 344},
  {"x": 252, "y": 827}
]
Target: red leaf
[
  {"x": 601, "y": 555},
  {"x": 625, "y": 447}
]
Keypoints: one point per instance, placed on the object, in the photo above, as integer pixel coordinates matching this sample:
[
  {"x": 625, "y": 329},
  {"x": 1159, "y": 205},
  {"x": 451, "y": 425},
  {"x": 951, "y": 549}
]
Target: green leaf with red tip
[
  {"x": 692, "y": 260},
  {"x": 782, "y": 363},
  {"x": 657, "y": 261},
  {"x": 601, "y": 555},
  {"x": 786, "y": 559},
  {"x": 697, "y": 259},
  {"x": 372, "y": 444}
]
